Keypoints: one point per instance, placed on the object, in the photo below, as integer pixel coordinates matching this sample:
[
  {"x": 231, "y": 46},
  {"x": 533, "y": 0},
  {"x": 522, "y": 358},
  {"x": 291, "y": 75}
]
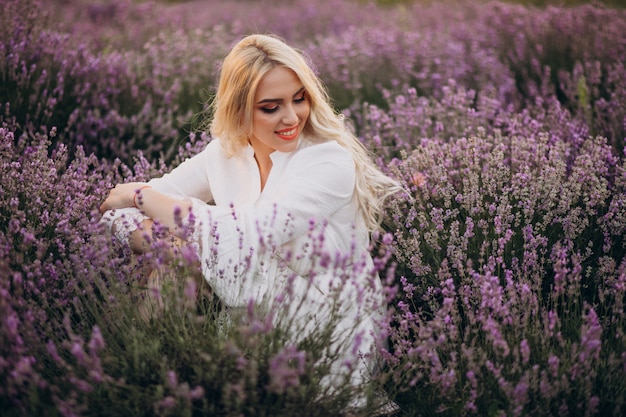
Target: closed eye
[
  {"x": 269, "y": 110},
  {"x": 301, "y": 98}
]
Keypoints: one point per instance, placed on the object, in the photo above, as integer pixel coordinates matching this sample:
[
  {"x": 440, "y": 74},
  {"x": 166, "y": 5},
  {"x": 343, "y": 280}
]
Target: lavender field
[{"x": 504, "y": 265}]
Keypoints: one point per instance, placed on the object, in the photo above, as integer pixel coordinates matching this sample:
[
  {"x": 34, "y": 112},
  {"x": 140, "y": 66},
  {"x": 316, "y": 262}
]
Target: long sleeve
[{"x": 191, "y": 177}]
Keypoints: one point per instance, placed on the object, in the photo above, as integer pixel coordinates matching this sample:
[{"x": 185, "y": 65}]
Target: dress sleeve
[
  {"x": 190, "y": 178},
  {"x": 238, "y": 242},
  {"x": 122, "y": 222}
]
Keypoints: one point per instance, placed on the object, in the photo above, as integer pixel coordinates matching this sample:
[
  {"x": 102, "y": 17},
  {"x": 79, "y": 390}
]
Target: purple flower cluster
[
  {"x": 79, "y": 333},
  {"x": 507, "y": 257},
  {"x": 503, "y": 263}
]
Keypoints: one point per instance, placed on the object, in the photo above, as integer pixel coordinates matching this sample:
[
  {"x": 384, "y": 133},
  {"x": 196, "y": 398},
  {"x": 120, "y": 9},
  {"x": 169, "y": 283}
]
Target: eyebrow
[{"x": 279, "y": 100}]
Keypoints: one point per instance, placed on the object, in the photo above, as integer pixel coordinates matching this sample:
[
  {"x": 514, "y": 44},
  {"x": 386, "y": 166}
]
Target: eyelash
[{"x": 274, "y": 109}]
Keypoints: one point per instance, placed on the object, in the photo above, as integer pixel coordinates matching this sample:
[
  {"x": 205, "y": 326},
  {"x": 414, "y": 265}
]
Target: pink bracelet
[{"x": 137, "y": 192}]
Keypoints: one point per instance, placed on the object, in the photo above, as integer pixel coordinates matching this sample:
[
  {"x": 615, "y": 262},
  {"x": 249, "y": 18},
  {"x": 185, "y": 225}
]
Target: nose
[{"x": 290, "y": 117}]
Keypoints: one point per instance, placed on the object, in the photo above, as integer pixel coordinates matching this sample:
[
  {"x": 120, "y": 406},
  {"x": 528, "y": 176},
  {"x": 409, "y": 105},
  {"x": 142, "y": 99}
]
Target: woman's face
[{"x": 281, "y": 109}]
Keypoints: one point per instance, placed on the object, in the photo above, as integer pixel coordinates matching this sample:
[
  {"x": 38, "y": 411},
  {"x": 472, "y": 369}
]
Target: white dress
[{"x": 297, "y": 249}]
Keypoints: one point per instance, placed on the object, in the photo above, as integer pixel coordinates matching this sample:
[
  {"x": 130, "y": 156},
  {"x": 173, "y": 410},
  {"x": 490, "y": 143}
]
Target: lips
[{"x": 288, "y": 134}]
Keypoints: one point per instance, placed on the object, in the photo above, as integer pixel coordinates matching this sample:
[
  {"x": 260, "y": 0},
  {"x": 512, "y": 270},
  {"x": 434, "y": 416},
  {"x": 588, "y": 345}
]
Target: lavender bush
[
  {"x": 510, "y": 253},
  {"x": 503, "y": 263},
  {"x": 77, "y": 334}
]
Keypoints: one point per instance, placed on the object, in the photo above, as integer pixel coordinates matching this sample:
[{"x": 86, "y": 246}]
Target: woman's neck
[{"x": 264, "y": 162}]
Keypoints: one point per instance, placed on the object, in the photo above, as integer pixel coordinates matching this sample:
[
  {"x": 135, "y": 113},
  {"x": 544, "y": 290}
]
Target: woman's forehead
[{"x": 278, "y": 83}]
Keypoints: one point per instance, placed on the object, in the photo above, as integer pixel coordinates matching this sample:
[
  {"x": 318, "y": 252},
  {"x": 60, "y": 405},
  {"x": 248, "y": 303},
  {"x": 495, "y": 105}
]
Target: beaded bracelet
[{"x": 137, "y": 192}]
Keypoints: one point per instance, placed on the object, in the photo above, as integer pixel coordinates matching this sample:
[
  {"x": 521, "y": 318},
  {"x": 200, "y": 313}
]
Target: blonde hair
[{"x": 232, "y": 108}]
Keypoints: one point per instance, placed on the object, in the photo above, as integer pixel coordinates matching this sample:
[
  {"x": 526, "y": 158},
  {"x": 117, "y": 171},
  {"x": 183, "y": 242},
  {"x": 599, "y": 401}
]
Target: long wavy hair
[{"x": 232, "y": 109}]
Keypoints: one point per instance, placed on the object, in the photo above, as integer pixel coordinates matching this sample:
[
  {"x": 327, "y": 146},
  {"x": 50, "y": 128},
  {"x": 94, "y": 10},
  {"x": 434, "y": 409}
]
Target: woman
[{"x": 279, "y": 205}]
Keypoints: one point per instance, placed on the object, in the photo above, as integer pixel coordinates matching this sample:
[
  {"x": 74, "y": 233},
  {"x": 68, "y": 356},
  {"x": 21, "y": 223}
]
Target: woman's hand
[
  {"x": 159, "y": 207},
  {"x": 121, "y": 196}
]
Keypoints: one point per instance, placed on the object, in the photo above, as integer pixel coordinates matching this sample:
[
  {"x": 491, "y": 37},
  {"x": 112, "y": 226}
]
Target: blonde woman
[{"x": 283, "y": 202}]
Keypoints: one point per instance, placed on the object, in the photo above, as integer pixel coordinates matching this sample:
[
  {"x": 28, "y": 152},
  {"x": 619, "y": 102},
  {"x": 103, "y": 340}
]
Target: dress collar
[{"x": 276, "y": 156}]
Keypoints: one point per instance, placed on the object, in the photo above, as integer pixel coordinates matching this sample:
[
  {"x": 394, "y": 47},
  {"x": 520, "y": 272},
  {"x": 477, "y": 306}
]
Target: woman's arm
[{"x": 167, "y": 211}]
